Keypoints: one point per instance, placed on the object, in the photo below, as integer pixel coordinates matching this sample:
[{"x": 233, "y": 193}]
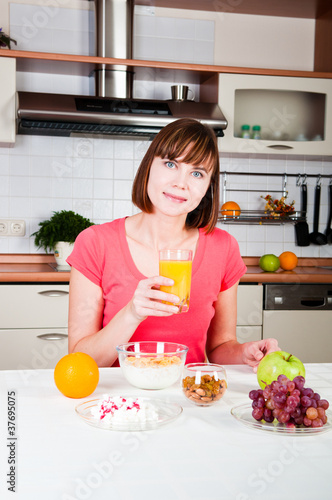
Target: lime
[{"x": 269, "y": 262}]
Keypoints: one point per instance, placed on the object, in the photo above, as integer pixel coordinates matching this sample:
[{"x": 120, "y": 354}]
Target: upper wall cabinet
[
  {"x": 275, "y": 115},
  {"x": 7, "y": 101}
]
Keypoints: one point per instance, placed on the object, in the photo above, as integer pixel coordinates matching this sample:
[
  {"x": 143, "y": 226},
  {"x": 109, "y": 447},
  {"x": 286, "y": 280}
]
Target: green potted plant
[
  {"x": 5, "y": 40},
  {"x": 58, "y": 233}
]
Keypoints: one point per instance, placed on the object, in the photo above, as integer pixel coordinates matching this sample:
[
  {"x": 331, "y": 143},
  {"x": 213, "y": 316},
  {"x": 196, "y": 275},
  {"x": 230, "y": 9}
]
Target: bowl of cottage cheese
[{"x": 152, "y": 365}]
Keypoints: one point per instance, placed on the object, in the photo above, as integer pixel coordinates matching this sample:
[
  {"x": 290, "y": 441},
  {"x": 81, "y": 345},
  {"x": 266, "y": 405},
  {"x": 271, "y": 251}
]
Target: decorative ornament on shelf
[
  {"x": 5, "y": 40},
  {"x": 278, "y": 208}
]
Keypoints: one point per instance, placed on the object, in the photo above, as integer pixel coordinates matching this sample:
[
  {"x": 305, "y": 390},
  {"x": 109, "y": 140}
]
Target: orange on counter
[
  {"x": 288, "y": 261},
  {"x": 230, "y": 209},
  {"x": 76, "y": 375}
]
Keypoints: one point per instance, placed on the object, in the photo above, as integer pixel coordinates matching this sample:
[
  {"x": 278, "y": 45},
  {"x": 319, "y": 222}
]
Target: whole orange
[
  {"x": 288, "y": 261},
  {"x": 76, "y": 375},
  {"x": 230, "y": 209}
]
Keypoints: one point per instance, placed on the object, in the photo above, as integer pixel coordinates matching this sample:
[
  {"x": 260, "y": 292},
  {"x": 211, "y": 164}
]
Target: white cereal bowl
[{"x": 152, "y": 365}]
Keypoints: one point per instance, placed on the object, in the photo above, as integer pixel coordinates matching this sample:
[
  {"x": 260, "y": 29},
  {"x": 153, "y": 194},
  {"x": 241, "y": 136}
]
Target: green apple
[
  {"x": 278, "y": 363},
  {"x": 269, "y": 262}
]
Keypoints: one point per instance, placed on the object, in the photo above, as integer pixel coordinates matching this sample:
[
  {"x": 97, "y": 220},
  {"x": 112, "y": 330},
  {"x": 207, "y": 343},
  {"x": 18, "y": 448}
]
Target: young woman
[{"x": 114, "y": 284}]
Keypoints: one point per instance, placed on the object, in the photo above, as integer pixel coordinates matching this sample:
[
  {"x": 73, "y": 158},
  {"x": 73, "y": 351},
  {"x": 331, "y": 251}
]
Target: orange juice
[{"x": 180, "y": 272}]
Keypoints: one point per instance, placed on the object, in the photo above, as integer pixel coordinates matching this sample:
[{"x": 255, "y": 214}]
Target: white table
[{"x": 205, "y": 454}]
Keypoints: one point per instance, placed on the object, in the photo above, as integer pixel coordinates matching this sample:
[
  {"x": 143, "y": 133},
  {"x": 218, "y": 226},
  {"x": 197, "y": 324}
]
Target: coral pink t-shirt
[{"x": 101, "y": 253}]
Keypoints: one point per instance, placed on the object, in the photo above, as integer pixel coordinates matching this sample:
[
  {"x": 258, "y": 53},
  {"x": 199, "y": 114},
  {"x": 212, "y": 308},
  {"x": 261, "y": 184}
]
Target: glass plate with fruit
[
  {"x": 285, "y": 404},
  {"x": 243, "y": 413}
]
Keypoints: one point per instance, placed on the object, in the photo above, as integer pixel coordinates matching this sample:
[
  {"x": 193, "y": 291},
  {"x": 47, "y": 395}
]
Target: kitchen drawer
[
  {"x": 28, "y": 349},
  {"x": 34, "y": 306},
  {"x": 248, "y": 333},
  {"x": 249, "y": 305}
]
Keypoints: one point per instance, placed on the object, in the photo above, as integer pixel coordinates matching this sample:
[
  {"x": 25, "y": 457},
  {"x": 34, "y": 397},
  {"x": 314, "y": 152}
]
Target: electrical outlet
[
  {"x": 3, "y": 227},
  {"x": 12, "y": 227},
  {"x": 17, "y": 228}
]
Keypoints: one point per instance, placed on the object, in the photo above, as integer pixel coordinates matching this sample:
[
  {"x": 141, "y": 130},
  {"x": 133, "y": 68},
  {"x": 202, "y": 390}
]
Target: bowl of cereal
[
  {"x": 204, "y": 384},
  {"x": 152, "y": 365}
]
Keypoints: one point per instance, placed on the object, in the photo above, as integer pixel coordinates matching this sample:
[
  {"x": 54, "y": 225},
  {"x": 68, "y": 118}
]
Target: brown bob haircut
[{"x": 197, "y": 144}]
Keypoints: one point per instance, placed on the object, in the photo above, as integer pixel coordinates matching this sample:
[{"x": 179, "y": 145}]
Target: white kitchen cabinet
[
  {"x": 248, "y": 333},
  {"x": 33, "y": 325},
  {"x": 249, "y": 313},
  {"x": 306, "y": 334},
  {"x": 34, "y": 305},
  {"x": 7, "y": 101},
  {"x": 295, "y": 114},
  {"x": 32, "y": 348}
]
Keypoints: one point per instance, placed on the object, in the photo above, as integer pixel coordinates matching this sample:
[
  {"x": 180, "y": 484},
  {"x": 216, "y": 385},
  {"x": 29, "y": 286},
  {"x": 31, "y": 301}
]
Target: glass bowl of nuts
[{"x": 204, "y": 384}]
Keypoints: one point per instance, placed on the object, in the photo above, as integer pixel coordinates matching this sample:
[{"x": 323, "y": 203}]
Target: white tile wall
[
  {"x": 258, "y": 239},
  {"x": 94, "y": 176},
  {"x": 50, "y": 28},
  {"x": 172, "y": 39}
]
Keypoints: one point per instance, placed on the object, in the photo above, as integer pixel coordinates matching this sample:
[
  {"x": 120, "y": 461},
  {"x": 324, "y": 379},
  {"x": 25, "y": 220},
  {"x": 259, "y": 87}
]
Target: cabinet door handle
[
  {"x": 53, "y": 293},
  {"x": 280, "y": 146},
  {"x": 52, "y": 336},
  {"x": 313, "y": 302}
]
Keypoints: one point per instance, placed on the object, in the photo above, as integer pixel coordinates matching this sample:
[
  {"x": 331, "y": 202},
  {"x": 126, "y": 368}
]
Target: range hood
[
  {"x": 65, "y": 115},
  {"x": 113, "y": 110}
]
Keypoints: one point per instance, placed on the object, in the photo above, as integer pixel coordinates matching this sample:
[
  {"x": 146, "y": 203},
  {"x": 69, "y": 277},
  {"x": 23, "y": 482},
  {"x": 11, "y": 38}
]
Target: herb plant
[
  {"x": 62, "y": 226},
  {"x": 5, "y": 39}
]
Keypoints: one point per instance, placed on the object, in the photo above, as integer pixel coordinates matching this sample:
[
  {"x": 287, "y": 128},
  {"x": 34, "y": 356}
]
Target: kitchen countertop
[
  {"x": 307, "y": 271},
  {"x": 205, "y": 453},
  {"x": 42, "y": 268}
]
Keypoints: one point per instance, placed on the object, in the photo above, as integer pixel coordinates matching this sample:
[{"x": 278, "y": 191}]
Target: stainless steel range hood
[
  {"x": 113, "y": 110},
  {"x": 65, "y": 115}
]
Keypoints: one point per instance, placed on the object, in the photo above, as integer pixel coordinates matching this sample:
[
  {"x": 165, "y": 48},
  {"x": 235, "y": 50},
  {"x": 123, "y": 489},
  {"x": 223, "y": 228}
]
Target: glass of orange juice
[{"x": 177, "y": 265}]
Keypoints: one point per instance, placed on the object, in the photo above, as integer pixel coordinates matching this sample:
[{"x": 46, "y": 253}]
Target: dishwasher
[{"x": 299, "y": 316}]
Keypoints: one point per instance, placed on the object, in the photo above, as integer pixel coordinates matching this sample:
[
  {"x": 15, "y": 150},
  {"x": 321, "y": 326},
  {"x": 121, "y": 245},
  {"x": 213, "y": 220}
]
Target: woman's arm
[
  {"x": 86, "y": 306},
  {"x": 222, "y": 346}
]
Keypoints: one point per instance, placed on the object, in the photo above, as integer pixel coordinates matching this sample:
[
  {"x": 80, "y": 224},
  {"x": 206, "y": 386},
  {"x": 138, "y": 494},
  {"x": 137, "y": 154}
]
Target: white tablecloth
[{"x": 205, "y": 454}]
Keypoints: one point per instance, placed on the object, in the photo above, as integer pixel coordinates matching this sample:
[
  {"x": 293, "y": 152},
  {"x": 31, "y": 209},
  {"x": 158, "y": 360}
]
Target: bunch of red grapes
[{"x": 290, "y": 403}]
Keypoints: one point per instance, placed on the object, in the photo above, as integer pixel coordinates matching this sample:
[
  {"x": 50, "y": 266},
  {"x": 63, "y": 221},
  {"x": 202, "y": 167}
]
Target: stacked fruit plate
[{"x": 283, "y": 403}]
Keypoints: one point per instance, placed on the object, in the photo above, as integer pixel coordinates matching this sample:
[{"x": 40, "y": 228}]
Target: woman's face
[{"x": 176, "y": 188}]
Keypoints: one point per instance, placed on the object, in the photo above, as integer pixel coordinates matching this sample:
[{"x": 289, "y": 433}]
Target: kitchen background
[{"x": 93, "y": 176}]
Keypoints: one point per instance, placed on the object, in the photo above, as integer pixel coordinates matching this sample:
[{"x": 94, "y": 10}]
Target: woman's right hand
[{"x": 147, "y": 298}]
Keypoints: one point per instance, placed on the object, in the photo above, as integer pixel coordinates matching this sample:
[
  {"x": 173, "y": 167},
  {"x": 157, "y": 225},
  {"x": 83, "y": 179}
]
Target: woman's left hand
[{"x": 254, "y": 352}]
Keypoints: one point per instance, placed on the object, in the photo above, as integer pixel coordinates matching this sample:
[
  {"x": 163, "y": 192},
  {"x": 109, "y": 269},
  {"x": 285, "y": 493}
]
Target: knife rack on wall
[{"x": 263, "y": 216}]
